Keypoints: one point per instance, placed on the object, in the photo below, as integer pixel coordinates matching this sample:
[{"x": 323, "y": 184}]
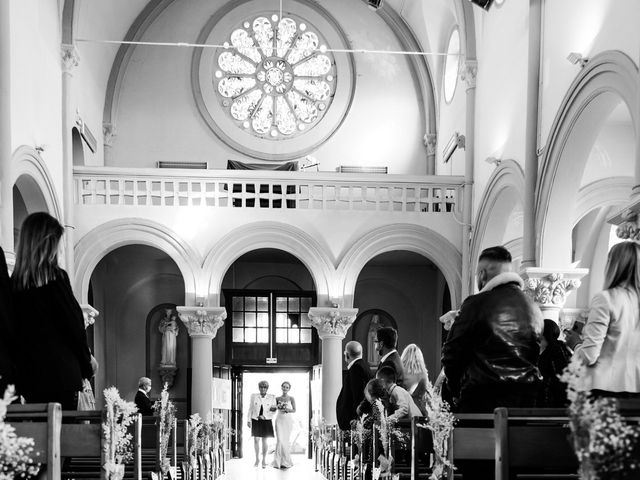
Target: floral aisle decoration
[
  {"x": 166, "y": 411},
  {"x": 195, "y": 425},
  {"x": 118, "y": 446},
  {"x": 15, "y": 452},
  {"x": 440, "y": 421},
  {"x": 606, "y": 446}
]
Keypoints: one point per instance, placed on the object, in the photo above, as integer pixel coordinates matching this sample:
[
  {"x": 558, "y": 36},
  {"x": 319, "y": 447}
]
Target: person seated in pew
[
  {"x": 142, "y": 400},
  {"x": 375, "y": 390},
  {"x": 401, "y": 404}
]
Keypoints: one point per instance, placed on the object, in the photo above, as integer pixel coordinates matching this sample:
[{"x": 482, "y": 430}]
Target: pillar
[
  {"x": 6, "y": 187},
  {"x": 332, "y": 324},
  {"x": 70, "y": 60},
  {"x": 529, "y": 235},
  {"x": 468, "y": 75},
  {"x": 549, "y": 288},
  {"x": 202, "y": 324}
]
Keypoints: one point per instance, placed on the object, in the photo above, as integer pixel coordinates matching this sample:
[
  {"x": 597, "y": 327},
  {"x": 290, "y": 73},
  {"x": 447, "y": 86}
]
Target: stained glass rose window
[{"x": 276, "y": 78}]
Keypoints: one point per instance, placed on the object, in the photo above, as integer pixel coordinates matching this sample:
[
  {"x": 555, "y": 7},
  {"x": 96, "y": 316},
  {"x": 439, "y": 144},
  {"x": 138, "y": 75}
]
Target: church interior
[{"x": 247, "y": 185}]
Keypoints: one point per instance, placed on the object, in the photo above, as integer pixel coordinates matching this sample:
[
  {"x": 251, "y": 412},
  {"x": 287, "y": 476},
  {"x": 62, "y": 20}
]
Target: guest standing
[
  {"x": 415, "y": 375},
  {"x": 142, "y": 400},
  {"x": 554, "y": 357},
  {"x": 261, "y": 410},
  {"x": 491, "y": 353},
  {"x": 52, "y": 351},
  {"x": 611, "y": 336},
  {"x": 387, "y": 341},
  {"x": 354, "y": 380},
  {"x": 7, "y": 368}
]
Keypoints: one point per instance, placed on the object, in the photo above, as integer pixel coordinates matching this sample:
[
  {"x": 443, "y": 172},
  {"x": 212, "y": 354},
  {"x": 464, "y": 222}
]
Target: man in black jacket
[
  {"x": 387, "y": 341},
  {"x": 7, "y": 368},
  {"x": 492, "y": 349},
  {"x": 143, "y": 402},
  {"x": 354, "y": 380}
]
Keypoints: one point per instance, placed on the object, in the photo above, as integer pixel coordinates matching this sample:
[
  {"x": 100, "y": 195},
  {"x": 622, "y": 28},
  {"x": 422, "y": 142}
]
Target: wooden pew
[
  {"x": 42, "y": 422},
  {"x": 473, "y": 438}
]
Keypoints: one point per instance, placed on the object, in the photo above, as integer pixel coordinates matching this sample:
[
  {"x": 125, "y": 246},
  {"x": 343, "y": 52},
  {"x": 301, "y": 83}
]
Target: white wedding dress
[{"x": 284, "y": 426}]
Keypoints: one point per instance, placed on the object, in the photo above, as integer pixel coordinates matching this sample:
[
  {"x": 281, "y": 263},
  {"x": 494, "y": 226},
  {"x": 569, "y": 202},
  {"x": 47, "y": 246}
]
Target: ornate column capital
[
  {"x": 332, "y": 321},
  {"x": 202, "y": 321},
  {"x": 468, "y": 73},
  {"x": 70, "y": 57},
  {"x": 549, "y": 288},
  {"x": 108, "y": 132},
  {"x": 430, "y": 140},
  {"x": 89, "y": 313}
]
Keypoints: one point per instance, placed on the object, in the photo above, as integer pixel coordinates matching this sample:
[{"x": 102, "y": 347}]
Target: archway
[
  {"x": 129, "y": 286},
  {"x": 409, "y": 288}
]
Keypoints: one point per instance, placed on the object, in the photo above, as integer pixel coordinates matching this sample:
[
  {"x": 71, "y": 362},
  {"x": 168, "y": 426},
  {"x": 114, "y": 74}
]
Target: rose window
[{"x": 276, "y": 78}]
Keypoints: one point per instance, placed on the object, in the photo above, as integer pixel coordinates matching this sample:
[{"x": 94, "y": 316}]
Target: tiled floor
[{"x": 243, "y": 469}]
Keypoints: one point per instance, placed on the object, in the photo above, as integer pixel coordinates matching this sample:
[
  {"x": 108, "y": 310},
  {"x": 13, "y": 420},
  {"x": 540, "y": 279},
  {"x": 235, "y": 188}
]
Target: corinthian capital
[
  {"x": 70, "y": 57},
  {"x": 89, "y": 313},
  {"x": 468, "y": 73},
  {"x": 430, "y": 142},
  {"x": 332, "y": 321},
  {"x": 550, "y": 287},
  {"x": 202, "y": 321}
]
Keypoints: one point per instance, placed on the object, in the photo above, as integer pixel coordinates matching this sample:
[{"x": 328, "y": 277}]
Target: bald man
[{"x": 354, "y": 380}]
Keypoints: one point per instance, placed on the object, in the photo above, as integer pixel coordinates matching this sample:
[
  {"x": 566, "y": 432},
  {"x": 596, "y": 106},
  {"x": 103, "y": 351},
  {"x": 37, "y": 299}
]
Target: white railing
[{"x": 267, "y": 189}]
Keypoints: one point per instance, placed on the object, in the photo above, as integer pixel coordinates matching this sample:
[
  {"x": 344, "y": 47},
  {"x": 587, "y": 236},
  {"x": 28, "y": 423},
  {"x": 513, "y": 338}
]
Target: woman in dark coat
[
  {"x": 7, "y": 368},
  {"x": 52, "y": 354},
  {"x": 555, "y": 356}
]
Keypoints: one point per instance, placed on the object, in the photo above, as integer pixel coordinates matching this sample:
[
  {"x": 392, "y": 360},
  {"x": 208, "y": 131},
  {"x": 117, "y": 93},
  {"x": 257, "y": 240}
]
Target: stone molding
[
  {"x": 332, "y": 321},
  {"x": 108, "y": 134},
  {"x": 70, "y": 57},
  {"x": 430, "y": 141},
  {"x": 469, "y": 72},
  {"x": 202, "y": 321},
  {"x": 89, "y": 313}
]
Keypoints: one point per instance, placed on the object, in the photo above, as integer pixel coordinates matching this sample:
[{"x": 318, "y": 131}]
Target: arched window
[{"x": 451, "y": 66}]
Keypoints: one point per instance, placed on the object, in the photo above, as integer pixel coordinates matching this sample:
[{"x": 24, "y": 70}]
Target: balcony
[{"x": 267, "y": 190}]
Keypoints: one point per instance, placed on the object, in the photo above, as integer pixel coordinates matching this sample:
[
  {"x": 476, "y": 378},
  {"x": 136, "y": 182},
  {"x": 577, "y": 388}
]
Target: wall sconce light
[
  {"x": 577, "y": 59},
  {"x": 493, "y": 160},
  {"x": 40, "y": 149},
  {"x": 455, "y": 142},
  {"x": 374, "y": 4}
]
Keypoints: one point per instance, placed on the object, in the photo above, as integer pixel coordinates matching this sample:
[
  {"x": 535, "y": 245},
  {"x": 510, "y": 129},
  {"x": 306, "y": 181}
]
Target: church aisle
[{"x": 243, "y": 469}]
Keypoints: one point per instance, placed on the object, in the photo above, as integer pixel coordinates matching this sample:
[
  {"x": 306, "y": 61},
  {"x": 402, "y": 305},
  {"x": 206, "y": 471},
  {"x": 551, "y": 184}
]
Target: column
[
  {"x": 430, "y": 142},
  {"x": 531, "y": 136},
  {"x": 6, "y": 192},
  {"x": 549, "y": 288},
  {"x": 468, "y": 75},
  {"x": 70, "y": 60},
  {"x": 202, "y": 324},
  {"x": 332, "y": 324}
]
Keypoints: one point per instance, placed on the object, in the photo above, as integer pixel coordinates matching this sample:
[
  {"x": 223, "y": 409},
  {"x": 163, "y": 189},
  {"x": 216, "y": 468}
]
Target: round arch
[
  {"x": 31, "y": 175},
  {"x": 412, "y": 238},
  {"x": 607, "y": 79},
  {"x": 269, "y": 235},
  {"x": 109, "y": 236},
  {"x": 505, "y": 183}
]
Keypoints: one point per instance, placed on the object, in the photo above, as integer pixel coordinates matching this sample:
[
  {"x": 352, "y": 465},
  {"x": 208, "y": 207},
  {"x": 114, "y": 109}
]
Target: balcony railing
[{"x": 267, "y": 190}]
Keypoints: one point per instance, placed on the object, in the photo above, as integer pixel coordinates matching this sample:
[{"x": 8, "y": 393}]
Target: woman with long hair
[
  {"x": 415, "y": 375},
  {"x": 53, "y": 356},
  {"x": 611, "y": 335}
]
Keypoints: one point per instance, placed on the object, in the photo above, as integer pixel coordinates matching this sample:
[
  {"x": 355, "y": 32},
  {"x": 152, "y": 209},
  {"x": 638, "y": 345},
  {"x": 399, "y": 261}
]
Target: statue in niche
[
  {"x": 374, "y": 326},
  {"x": 169, "y": 329}
]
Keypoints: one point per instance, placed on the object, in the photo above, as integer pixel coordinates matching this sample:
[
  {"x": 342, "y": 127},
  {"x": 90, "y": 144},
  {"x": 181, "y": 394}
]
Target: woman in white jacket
[
  {"x": 611, "y": 336},
  {"x": 262, "y": 407}
]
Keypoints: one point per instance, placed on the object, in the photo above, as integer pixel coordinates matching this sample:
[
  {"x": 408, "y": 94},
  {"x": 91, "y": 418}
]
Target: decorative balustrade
[{"x": 267, "y": 190}]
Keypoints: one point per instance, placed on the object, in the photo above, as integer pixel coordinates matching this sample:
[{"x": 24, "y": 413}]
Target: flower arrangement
[
  {"x": 440, "y": 421},
  {"x": 606, "y": 446},
  {"x": 15, "y": 452},
  {"x": 282, "y": 406},
  {"x": 166, "y": 410},
  {"x": 119, "y": 414},
  {"x": 195, "y": 425}
]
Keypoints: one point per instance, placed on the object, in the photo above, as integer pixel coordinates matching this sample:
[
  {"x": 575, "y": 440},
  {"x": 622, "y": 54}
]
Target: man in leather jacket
[{"x": 492, "y": 349}]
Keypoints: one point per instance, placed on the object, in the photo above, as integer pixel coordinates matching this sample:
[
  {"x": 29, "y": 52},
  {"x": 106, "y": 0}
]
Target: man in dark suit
[
  {"x": 7, "y": 370},
  {"x": 387, "y": 340},
  {"x": 143, "y": 402},
  {"x": 353, "y": 382}
]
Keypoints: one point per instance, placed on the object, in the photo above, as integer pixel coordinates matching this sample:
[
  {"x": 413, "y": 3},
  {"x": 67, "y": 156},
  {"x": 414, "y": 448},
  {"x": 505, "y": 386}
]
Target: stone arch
[
  {"x": 607, "y": 79},
  {"x": 268, "y": 235},
  {"x": 412, "y": 238},
  {"x": 30, "y": 172},
  {"x": 505, "y": 185},
  {"x": 109, "y": 236}
]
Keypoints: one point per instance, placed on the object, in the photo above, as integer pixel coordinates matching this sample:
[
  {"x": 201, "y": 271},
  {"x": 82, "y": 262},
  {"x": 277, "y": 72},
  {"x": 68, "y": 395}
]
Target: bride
[{"x": 284, "y": 425}]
